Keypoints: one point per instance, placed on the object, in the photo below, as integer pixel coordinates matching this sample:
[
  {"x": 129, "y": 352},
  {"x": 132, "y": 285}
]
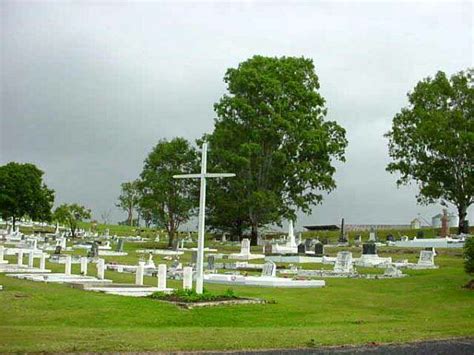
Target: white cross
[{"x": 202, "y": 213}]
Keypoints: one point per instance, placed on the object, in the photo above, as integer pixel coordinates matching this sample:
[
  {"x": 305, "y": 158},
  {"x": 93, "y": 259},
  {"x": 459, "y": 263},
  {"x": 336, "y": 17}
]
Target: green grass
[{"x": 430, "y": 304}]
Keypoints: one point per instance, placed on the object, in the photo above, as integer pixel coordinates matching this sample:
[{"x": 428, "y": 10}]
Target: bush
[
  {"x": 191, "y": 296},
  {"x": 469, "y": 255}
]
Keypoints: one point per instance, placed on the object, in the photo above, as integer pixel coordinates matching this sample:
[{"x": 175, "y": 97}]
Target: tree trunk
[
  {"x": 130, "y": 217},
  {"x": 462, "y": 213},
  {"x": 171, "y": 238},
  {"x": 254, "y": 234},
  {"x": 13, "y": 223}
]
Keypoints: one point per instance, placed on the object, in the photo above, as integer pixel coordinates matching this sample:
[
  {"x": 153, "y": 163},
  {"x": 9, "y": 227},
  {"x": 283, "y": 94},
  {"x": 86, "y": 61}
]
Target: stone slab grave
[
  {"x": 67, "y": 276},
  {"x": 425, "y": 261},
  {"x": 267, "y": 279},
  {"x": 134, "y": 290},
  {"x": 245, "y": 253},
  {"x": 160, "y": 252},
  {"x": 298, "y": 259},
  {"x": 6, "y": 268},
  {"x": 290, "y": 247},
  {"x": 370, "y": 258},
  {"x": 447, "y": 242}
]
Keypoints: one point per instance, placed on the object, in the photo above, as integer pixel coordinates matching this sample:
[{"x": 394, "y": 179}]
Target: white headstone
[
  {"x": 43, "y": 261},
  {"x": 139, "y": 273},
  {"x": 269, "y": 269},
  {"x": 291, "y": 235},
  {"x": 67, "y": 265},
  {"x": 35, "y": 244},
  {"x": 31, "y": 258},
  {"x": 20, "y": 258},
  {"x": 426, "y": 258},
  {"x": 84, "y": 265},
  {"x": 188, "y": 278},
  {"x": 344, "y": 262},
  {"x": 161, "y": 277},
  {"x": 100, "y": 269},
  {"x": 245, "y": 247},
  {"x": 372, "y": 236},
  {"x": 2, "y": 253}
]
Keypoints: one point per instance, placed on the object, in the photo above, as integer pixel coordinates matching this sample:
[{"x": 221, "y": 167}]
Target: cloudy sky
[{"x": 88, "y": 88}]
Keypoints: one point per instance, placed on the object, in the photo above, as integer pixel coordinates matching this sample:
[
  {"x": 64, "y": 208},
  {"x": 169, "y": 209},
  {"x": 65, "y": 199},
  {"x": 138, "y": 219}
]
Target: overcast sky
[{"x": 88, "y": 88}]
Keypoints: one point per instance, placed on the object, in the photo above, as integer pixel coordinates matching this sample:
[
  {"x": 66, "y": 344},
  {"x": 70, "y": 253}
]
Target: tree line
[{"x": 271, "y": 131}]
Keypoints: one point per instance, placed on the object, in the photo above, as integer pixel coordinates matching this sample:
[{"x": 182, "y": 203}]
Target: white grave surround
[
  {"x": 162, "y": 274},
  {"x": 188, "y": 278},
  {"x": 372, "y": 260},
  {"x": 245, "y": 253},
  {"x": 2, "y": 255},
  {"x": 429, "y": 243},
  {"x": 297, "y": 259},
  {"x": 393, "y": 272},
  {"x": 268, "y": 279},
  {"x": 160, "y": 252},
  {"x": 290, "y": 247}
]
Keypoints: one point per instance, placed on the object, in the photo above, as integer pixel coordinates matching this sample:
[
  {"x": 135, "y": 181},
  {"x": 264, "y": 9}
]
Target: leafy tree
[
  {"x": 469, "y": 255},
  {"x": 23, "y": 193},
  {"x": 271, "y": 132},
  {"x": 432, "y": 141},
  {"x": 168, "y": 201},
  {"x": 128, "y": 199},
  {"x": 71, "y": 215}
]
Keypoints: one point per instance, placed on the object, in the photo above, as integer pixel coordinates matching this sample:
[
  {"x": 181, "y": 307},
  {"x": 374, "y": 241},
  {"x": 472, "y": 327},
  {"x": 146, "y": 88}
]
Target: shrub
[{"x": 469, "y": 255}]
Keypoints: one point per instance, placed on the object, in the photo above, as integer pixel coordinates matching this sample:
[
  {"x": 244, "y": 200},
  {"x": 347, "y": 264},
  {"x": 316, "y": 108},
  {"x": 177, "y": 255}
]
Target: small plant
[{"x": 192, "y": 296}]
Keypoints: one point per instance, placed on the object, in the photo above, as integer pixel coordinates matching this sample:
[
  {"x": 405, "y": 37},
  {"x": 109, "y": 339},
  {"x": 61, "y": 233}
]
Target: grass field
[{"x": 430, "y": 304}]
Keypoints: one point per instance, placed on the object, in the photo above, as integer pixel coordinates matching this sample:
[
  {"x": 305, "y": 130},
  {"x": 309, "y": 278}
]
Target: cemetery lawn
[{"x": 429, "y": 304}]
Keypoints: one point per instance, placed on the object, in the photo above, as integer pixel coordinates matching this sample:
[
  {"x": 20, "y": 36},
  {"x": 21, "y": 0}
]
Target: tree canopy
[
  {"x": 270, "y": 130},
  {"x": 71, "y": 215},
  {"x": 432, "y": 141},
  {"x": 168, "y": 201},
  {"x": 128, "y": 199},
  {"x": 23, "y": 193}
]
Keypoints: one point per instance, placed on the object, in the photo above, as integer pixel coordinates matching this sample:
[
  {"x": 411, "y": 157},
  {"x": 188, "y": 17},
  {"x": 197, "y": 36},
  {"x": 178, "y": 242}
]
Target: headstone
[
  {"x": 318, "y": 249},
  {"x": 43, "y": 261},
  {"x": 344, "y": 262},
  {"x": 210, "y": 262},
  {"x": 342, "y": 235},
  {"x": 100, "y": 269},
  {"x": 188, "y": 278},
  {"x": 139, "y": 273},
  {"x": 325, "y": 241},
  {"x": 267, "y": 249},
  {"x": 20, "y": 258},
  {"x": 269, "y": 269},
  {"x": 369, "y": 249},
  {"x": 390, "y": 238},
  {"x": 301, "y": 249},
  {"x": 194, "y": 257},
  {"x": 57, "y": 250},
  {"x": 67, "y": 265},
  {"x": 372, "y": 235},
  {"x": 94, "y": 251},
  {"x": 426, "y": 258},
  {"x": 245, "y": 246},
  {"x": 84, "y": 265},
  {"x": 358, "y": 239},
  {"x": 2, "y": 254},
  {"x": 392, "y": 271},
  {"x": 31, "y": 258},
  {"x": 150, "y": 262},
  {"x": 161, "y": 277},
  {"x": 119, "y": 246}
]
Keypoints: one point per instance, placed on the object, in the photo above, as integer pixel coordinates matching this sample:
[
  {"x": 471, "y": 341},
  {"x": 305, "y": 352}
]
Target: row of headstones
[{"x": 31, "y": 258}]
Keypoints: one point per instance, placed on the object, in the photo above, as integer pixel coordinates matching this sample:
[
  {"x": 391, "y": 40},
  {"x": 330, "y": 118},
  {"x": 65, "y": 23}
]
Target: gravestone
[
  {"x": 301, "y": 249},
  {"x": 188, "y": 278},
  {"x": 318, "y": 249},
  {"x": 372, "y": 235},
  {"x": 445, "y": 223},
  {"x": 390, "y": 238},
  {"x": 119, "y": 246},
  {"x": 392, "y": 271},
  {"x": 344, "y": 262},
  {"x": 161, "y": 277},
  {"x": 57, "y": 250},
  {"x": 84, "y": 265},
  {"x": 245, "y": 246},
  {"x": 426, "y": 258},
  {"x": 269, "y": 269},
  {"x": 68, "y": 265},
  {"x": 100, "y": 269},
  {"x": 342, "y": 235},
  {"x": 2, "y": 254},
  {"x": 210, "y": 262},
  {"x": 139, "y": 273},
  {"x": 267, "y": 249},
  {"x": 94, "y": 251},
  {"x": 308, "y": 243},
  {"x": 194, "y": 257},
  {"x": 369, "y": 249}
]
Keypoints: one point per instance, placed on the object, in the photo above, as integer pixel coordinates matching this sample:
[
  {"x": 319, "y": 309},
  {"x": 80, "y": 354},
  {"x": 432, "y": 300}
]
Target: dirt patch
[{"x": 214, "y": 303}]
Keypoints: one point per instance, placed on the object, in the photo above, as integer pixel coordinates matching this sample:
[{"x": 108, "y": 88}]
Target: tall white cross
[{"x": 202, "y": 213}]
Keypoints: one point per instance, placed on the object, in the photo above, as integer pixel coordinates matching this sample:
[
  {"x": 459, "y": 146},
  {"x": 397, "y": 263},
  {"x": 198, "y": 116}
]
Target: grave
[
  {"x": 245, "y": 253},
  {"x": 343, "y": 262},
  {"x": 369, "y": 257}
]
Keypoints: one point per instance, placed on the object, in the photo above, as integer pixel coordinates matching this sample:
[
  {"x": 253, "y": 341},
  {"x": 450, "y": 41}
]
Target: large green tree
[
  {"x": 128, "y": 199},
  {"x": 432, "y": 141},
  {"x": 23, "y": 193},
  {"x": 270, "y": 130},
  {"x": 71, "y": 215},
  {"x": 169, "y": 201}
]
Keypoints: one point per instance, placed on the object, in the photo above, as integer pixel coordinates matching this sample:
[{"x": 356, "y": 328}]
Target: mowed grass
[{"x": 430, "y": 304}]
